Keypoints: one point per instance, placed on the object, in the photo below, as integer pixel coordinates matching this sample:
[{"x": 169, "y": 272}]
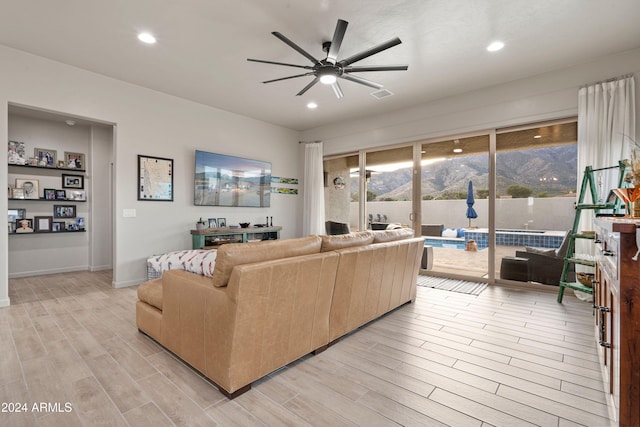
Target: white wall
[
  {"x": 100, "y": 223},
  {"x": 150, "y": 123},
  {"x": 542, "y": 97}
]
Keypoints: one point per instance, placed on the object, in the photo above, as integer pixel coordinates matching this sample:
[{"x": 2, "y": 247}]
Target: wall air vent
[{"x": 382, "y": 93}]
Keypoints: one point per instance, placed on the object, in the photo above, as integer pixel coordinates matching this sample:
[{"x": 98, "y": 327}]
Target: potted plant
[{"x": 200, "y": 224}]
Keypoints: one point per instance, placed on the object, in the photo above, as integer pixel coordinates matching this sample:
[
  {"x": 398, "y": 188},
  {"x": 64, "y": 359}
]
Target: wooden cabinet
[{"x": 617, "y": 314}]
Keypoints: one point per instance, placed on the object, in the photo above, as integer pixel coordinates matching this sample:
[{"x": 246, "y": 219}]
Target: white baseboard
[
  {"x": 100, "y": 268},
  {"x": 127, "y": 283},
  {"x": 47, "y": 271},
  {"x": 5, "y": 302}
]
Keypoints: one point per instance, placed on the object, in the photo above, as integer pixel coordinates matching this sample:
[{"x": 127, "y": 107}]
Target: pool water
[{"x": 451, "y": 244}]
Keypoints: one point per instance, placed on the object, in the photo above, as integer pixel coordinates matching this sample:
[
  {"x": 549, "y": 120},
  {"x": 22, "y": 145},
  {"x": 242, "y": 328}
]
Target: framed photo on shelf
[
  {"x": 50, "y": 193},
  {"x": 18, "y": 213},
  {"x": 72, "y": 181},
  {"x": 213, "y": 223},
  {"x": 64, "y": 211},
  {"x": 17, "y": 193},
  {"x": 61, "y": 195},
  {"x": 24, "y": 225},
  {"x": 58, "y": 226},
  {"x": 77, "y": 195},
  {"x": 74, "y": 160},
  {"x": 155, "y": 178},
  {"x": 16, "y": 154},
  {"x": 30, "y": 188},
  {"x": 222, "y": 222},
  {"x": 46, "y": 157},
  {"x": 43, "y": 224},
  {"x": 72, "y": 227},
  {"x": 80, "y": 223}
]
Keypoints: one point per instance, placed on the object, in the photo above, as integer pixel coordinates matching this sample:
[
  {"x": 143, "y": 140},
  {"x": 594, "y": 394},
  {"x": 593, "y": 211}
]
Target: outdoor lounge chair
[
  {"x": 333, "y": 227},
  {"x": 544, "y": 265}
]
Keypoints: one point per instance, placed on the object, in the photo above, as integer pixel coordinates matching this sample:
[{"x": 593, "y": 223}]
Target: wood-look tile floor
[{"x": 509, "y": 357}]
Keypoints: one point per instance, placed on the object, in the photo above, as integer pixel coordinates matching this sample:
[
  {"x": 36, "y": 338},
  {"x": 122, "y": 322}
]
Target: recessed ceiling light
[
  {"x": 70, "y": 122},
  {"x": 312, "y": 105},
  {"x": 146, "y": 38},
  {"x": 457, "y": 150},
  {"x": 495, "y": 46},
  {"x": 538, "y": 136}
]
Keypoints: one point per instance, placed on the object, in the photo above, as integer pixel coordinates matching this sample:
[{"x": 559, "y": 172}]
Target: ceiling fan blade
[
  {"x": 337, "y": 90},
  {"x": 280, "y": 63},
  {"x": 357, "y": 69},
  {"x": 287, "y": 78},
  {"x": 362, "y": 81},
  {"x": 372, "y": 51},
  {"x": 296, "y": 47},
  {"x": 307, "y": 87},
  {"x": 338, "y": 35}
]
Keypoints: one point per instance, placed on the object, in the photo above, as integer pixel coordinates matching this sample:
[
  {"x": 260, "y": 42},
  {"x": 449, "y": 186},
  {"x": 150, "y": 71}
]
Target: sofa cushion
[
  {"x": 151, "y": 293},
  {"x": 233, "y": 254},
  {"x": 360, "y": 238},
  {"x": 541, "y": 251},
  {"x": 392, "y": 235},
  {"x": 199, "y": 261}
]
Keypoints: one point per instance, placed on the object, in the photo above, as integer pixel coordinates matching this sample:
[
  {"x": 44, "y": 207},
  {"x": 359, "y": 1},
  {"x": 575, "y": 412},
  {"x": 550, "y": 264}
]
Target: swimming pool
[{"x": 448, "y": 243}]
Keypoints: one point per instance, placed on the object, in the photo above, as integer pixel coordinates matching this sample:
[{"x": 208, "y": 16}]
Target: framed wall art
[
  {"x": 58, "y": 226},
  {"x": 72, "y": 181},
  {"x": 61, "y": 195},
  {"x": 24, "y": 225},
  {"x": 155, "y": 179}
]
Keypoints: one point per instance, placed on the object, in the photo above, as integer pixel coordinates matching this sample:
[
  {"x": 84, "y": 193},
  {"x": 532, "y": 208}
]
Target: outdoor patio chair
[
  {"x": 333, "y": 227},
  {"x": 545, "y": 265}
]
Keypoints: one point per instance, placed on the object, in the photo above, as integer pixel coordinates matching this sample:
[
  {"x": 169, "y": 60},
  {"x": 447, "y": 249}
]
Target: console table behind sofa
[{"x": 198, "y": 236}]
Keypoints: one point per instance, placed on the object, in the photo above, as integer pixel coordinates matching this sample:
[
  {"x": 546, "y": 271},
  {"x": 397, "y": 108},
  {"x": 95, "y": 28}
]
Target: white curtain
[
  {"x": 606, "y": 121},
  {"x": 313, "y": 207}
]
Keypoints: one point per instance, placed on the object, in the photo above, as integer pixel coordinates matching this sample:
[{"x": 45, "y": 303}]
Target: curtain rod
[
  {"x": 308, "y": 142},
  {"x": 612, "y": 79}
]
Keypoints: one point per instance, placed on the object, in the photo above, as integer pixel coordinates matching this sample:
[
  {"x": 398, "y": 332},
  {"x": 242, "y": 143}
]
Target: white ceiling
[{"x": 203, "y": 46}]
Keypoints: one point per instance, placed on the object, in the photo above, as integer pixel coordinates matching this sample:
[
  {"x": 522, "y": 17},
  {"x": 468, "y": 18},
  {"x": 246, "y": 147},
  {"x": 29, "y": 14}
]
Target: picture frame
[
  {"x": 30, "y": 188},
  {"x": 213, "y": 223},
  {"x": 11, "y": 227},
  {"x": 72, "y": 227},
  {"x": 80, "y": 223},
  {"x": 17, "y": 193},
  {"x": 43, "y": 224},
  {"x": 24, "y": 225},
  {"x": 16, "y": 153},
  {"x": 64, "y": 211},
  {"x": 155, "y": 179},
  {"x": 72, "y": 181},
  {"x": 74, "y": 160},
  {"x": 16, "y": 213},
  {"x": 46, "y": 157},
  {"x": 50, "y": 193},
  {"x": 60, "y": 164},
  {"x": 58, "y": 226},
  {"x": 222, "y": 222},
  {"x": 78, "y": 195},
  {"x": 61, "y": 195}
]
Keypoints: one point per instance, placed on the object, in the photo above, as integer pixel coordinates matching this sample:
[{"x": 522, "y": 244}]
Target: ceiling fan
[{"x": 329, "y": 70}]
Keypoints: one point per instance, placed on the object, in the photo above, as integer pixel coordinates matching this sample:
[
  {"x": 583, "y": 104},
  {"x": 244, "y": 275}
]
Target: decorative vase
[{"x": 199, "y": 226}]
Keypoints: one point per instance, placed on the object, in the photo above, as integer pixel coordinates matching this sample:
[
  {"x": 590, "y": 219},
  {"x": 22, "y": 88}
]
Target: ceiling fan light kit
[{"x": 330, "y": 69}]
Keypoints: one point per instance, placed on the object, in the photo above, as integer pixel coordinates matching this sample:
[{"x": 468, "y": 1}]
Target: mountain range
[{"x": 549, "y": 171}]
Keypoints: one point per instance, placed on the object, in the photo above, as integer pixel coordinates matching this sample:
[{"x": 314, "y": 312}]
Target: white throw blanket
[{"x": 196, "y": 261}]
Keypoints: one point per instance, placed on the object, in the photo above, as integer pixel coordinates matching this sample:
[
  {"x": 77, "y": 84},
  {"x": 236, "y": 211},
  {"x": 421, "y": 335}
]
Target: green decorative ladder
[{"x": 588, "y": 184}]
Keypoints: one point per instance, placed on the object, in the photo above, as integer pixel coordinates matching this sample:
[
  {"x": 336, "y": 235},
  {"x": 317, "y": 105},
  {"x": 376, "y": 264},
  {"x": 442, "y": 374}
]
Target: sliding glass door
[
  {"x": 455, "y": 182},
  {"x": 476, "y": 198},
  {"x": 535, "y": 193}
]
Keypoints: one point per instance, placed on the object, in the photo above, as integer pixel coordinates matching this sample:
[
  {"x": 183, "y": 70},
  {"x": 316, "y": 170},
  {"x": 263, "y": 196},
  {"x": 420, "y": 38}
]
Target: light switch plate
[{"x": 129, "y": 213}]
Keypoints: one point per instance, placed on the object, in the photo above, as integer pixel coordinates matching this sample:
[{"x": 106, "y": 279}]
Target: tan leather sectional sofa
[{"x": 270, "y": 303}]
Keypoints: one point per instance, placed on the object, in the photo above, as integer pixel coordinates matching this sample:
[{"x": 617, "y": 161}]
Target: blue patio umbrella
[{"x": 471, "y": 213}]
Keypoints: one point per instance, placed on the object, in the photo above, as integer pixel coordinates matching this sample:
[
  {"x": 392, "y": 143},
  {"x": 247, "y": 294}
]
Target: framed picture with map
[{"x": 155, "y": 179}]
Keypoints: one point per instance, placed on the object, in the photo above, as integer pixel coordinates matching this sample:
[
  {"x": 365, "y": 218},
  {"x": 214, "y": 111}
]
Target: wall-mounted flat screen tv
[{"x": 222, "y": 180}]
